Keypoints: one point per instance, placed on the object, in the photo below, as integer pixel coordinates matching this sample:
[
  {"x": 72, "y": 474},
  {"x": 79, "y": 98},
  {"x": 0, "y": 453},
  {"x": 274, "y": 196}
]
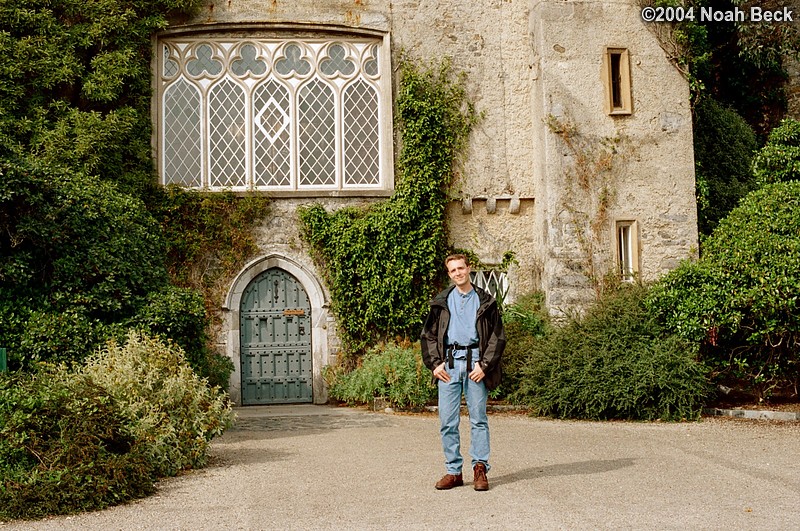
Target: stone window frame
[
  {"x": 627, "y": 249},
  {"x": 226, "y": 44},
  {"x": 616, "y": 74}
]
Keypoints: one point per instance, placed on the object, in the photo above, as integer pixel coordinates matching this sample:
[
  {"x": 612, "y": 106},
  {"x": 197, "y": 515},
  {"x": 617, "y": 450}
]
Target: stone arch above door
[{"x": 319, "y": 320}]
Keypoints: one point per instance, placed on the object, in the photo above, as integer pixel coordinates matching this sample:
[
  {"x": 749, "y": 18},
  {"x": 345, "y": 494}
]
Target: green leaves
[
  {"x": 615, "y": 362},
  {"x": 741, "y": 298},
  {"x": 393, "y": 371},
  {"x": 381, "y": 262},
  {"x": 779, "y": 159},
  {"x": 78, "y": 441}
]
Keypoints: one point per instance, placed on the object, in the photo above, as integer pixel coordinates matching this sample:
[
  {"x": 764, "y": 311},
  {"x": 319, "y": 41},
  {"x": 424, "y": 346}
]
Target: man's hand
[
  {"x": 477, "y": 373},
  {"x": 440, "y": 372}
]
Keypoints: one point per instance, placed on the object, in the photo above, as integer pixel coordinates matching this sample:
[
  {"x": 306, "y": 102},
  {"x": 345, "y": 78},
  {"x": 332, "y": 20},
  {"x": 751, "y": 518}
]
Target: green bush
[
  {"x": 170, "y": 410},
  {"x": 393, "y": 371},
  {"x": 613, "y": 363},
  {"x": 179, "y": 315},
  {"x": 65, "y": 447},
  {"x": 526, "y": 322},
  {"x": 724, "y": 145},
  {"x": 78, "y": 255},
  {"x": 779, "y": 159},
  {"x": 82, "y": 254},
  {"x": 741, "y": 300}
]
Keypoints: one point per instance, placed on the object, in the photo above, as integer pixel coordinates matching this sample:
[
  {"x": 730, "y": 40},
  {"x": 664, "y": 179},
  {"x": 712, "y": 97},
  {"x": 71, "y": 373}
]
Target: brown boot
[
  {"x": 449, "y": 481},
  {"x": 480, "y": 482}
]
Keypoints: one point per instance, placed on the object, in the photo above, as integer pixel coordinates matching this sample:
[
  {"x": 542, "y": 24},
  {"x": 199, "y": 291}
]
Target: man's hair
[{"x": 452, "y": 257}]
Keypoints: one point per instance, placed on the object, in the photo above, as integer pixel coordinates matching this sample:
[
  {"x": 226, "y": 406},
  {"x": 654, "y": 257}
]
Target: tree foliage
[
  {"x": 82, "y": 222},
  {"x": 741, "y": 300},
  {"x": 75, "y": 83},
  {"x": 723, "y": 174},
  {"x": 381, "y": 262},
  {"x": 779, "y": 159}
]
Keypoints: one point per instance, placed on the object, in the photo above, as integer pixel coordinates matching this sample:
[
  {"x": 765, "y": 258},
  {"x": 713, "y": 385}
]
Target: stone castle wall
[{"x": 527, "y": 62}]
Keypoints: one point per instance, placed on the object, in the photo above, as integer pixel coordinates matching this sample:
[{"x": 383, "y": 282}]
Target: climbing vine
[
  {"x": 382, "y": 262},
  {"x": 590, "y": 192}
]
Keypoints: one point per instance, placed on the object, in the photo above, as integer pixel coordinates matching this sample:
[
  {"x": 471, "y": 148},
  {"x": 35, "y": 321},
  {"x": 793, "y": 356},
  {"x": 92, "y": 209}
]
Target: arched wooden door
[{"x": 275, "y": 334}]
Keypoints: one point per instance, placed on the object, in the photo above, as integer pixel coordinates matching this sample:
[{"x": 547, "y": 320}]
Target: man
[{"x": 462, "y": 343}]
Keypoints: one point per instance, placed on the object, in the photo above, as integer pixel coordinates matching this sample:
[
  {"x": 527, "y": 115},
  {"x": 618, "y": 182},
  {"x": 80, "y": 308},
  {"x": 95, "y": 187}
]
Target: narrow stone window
[
  {"x": 628, "y": 250},
  {"x": 617, "y": 79}
]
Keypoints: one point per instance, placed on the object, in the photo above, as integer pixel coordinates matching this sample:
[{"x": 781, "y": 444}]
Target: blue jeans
[{"x": 450, "y": 415}]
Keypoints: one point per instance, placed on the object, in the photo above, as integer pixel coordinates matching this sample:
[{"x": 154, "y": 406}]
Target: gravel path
[{"x": 318, "y": 467}]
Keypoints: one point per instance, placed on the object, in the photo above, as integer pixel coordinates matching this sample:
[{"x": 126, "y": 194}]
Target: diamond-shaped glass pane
[
  {"x": 271, "y": 142},
  {"x": 182, "y": 141},
  {"x": 227, "y": 133},
  {"x": 361, "y": 139},
  {"x": 317, "y": 135}
]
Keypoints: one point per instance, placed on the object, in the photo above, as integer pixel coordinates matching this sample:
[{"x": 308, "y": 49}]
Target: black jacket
[{"x": 491, "y": 337}]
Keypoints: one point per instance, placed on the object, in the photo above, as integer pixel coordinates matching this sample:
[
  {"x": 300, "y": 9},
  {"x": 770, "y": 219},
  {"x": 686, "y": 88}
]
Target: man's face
[{"x": 458, "y": 271}]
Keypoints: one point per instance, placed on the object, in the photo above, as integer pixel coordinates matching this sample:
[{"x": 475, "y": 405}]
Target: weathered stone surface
[{"x": 527, "y": 62}]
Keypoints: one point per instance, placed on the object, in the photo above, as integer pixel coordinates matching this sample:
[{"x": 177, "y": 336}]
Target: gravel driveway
[{"x": 319, "y": 467}]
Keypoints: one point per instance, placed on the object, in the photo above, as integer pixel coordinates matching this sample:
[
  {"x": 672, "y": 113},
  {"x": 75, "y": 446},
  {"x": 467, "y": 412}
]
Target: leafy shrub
[
  {"x": 779, "y": 159},
  {"x": 741, "y": 300},
  {"x": 526, "y": 322},
  {"x": 613, "y": 363},
  {"x": 179, "y": 315},
  {"x": 724, "y": 145},
  {"x": 65, "y": 447},
  {"x": 171, "y": 411},
  {"x": 394, "y": 371},
  {"x": 77, "y": 254},
  {"x": 82, "y": 255}
]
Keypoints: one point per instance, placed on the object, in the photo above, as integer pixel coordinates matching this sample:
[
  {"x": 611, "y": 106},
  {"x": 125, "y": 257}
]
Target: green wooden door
[{"x": 275, "y": 334}]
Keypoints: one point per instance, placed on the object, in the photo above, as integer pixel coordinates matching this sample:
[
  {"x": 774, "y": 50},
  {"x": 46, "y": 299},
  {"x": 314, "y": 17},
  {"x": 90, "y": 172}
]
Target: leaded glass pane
[
  {"x": 317, "y": 135},
  {"x": 170, "y": 66},
  {"x": 227, "y": 135},
  {"x": 293, "y": 62},
  {"x": 271, "y": 140},
  {"x": 248, "y": 62},
  {"x": 205, "y": 62},
  {"x": 182, "y": 140},
  {"x": 337, "y": 62},
  {"x": 371, "y": 64},
  {"x": 361, "y": 135}
]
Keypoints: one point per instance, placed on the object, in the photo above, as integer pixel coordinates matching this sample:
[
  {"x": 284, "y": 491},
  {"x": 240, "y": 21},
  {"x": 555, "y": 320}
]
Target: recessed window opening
[
  {"x": 627, "y": 250},
  {"x": 617, "y": 79}
]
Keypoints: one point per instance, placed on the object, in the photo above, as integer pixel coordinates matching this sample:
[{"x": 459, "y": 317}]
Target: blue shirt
[{"x": 463, "y": 317}]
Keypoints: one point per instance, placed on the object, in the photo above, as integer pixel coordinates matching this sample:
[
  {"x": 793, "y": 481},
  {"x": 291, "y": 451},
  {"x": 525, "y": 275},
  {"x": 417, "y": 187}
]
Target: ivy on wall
[{"x": 382, "y": 262}]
